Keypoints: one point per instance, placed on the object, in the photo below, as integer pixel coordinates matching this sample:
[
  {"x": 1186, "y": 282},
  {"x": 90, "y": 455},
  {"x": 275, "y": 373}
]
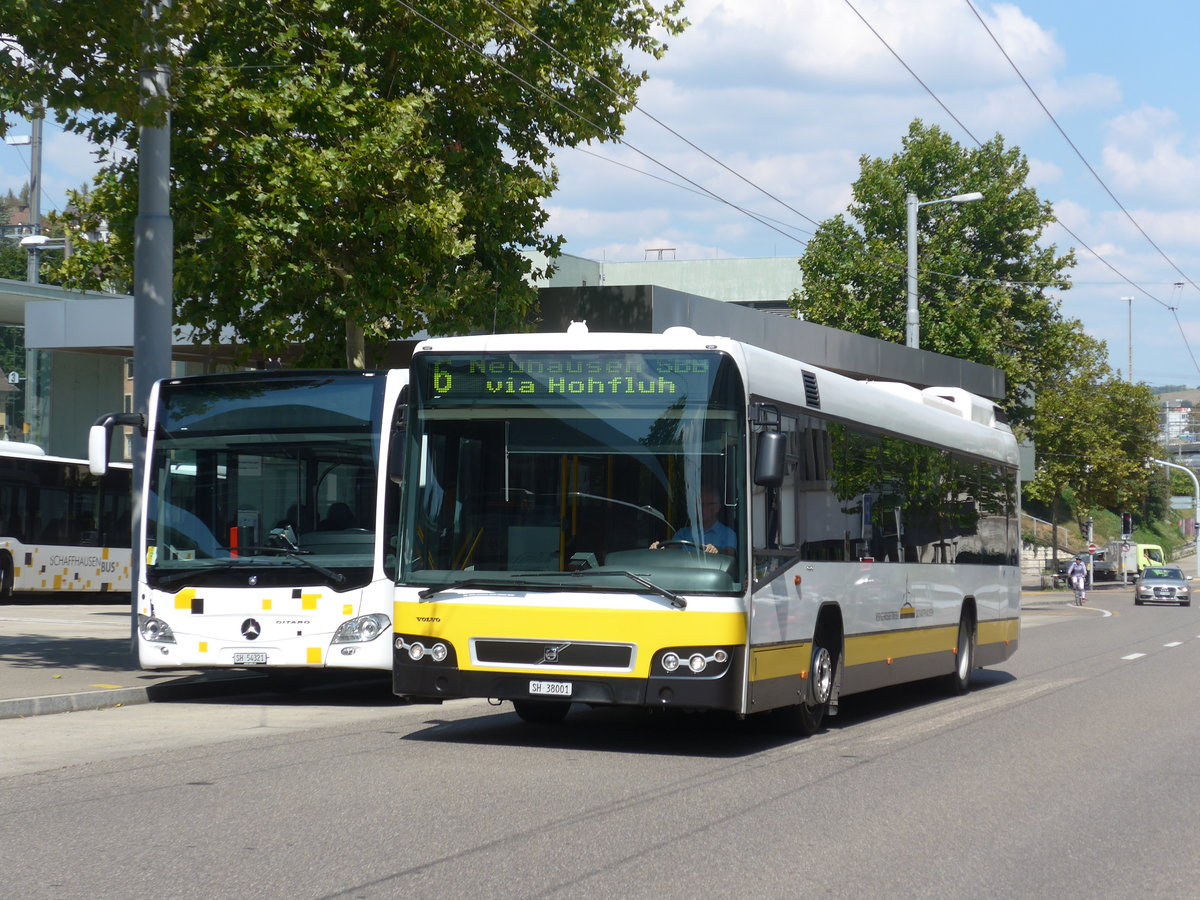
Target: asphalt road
[{"x": 1071, "y": 771}]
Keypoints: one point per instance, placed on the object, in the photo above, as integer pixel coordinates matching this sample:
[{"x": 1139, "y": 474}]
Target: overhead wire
[
  {"x": 931, "y": 272},
  {"x": 1074, "y": 148},
  {"x": 592, "y": 75},
  {"x": 599, "y": 128},
  {"x": 1124, "y": 278}
]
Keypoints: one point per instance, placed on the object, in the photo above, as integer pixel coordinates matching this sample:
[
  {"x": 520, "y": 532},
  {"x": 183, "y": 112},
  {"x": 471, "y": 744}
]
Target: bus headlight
[
  {"x": 417, "y": 649},
  {"x": 155, "y": 630},
  {"x": 711, "y": 662},
  {"x": 362, "y": 629}
]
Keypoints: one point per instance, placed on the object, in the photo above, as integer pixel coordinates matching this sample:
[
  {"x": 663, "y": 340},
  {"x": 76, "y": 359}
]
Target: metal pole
[
  {"x": 34, "y": 261},
  {"x": 1129, "y": 300},
  {"x": 153, "y": 269},
  {"x": 913, "y": 330},
  {"x": 1195, "y": 521}
]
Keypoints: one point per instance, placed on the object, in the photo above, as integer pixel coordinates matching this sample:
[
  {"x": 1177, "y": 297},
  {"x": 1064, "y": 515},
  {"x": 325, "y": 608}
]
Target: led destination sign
[{"x": 610, "y": 376}]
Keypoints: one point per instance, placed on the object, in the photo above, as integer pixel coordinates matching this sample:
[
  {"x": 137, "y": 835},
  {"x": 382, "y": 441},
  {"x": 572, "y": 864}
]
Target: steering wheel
[{"x": 692, "y": 544}]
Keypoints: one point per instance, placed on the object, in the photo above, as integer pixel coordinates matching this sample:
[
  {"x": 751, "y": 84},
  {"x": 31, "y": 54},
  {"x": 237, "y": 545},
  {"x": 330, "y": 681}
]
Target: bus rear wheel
[
  {"x": 6, "y": 580},
  {"x": 542, "y": 712},
  {"x": 959, "y": 681}
]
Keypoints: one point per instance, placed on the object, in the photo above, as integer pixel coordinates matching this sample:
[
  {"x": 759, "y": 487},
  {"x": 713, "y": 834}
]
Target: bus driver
[{"x": 715, "y": 536}]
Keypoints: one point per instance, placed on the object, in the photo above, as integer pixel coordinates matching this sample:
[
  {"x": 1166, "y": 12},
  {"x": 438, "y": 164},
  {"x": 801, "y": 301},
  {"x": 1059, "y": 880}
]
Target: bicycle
[{"x": 1079, "y": 583}]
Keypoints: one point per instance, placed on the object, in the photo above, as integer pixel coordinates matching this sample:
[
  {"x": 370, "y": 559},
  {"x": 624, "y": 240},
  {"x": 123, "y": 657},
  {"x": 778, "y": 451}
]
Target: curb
[{"x": 193, "y": 687}]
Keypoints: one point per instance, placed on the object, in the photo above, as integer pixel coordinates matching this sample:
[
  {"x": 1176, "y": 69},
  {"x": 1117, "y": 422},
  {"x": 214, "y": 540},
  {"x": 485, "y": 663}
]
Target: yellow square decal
[
  {"x": 348, "y": 610},
  {"x": 314, "y": 655},
  {"x": 309, "y": 601},
  {"x": 267, "y": 603},
  {"x": 204, "y": 646}
]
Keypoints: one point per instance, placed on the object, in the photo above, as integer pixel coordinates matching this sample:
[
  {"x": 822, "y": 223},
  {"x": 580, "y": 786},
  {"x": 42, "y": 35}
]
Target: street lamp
[
  {"x": 911, "y": 205},
  {"x": 1196, "y": 522},
  {"x": 35, "y": 244}
]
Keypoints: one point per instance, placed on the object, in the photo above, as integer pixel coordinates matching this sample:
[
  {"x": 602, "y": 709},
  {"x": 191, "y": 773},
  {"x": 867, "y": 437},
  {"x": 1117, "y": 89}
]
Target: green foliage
[
  {"x": 983, "y": 283},
  {"x": 341, "y": 172},
  {"x": 12, "y": 260},
  {"x": 1094, "y": 432},
  {"x": 982, "y": 274}
]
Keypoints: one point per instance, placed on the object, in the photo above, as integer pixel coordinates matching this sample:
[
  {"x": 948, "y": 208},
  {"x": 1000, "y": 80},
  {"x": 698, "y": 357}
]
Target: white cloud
[
  {"x": 823, "y": 42},
  {"x": 1147, "y": 153}
]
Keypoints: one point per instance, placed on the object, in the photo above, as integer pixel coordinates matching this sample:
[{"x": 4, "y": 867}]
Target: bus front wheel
[
  {"x": 805, "y": 718},
  {"x": 6, "y": 580}
]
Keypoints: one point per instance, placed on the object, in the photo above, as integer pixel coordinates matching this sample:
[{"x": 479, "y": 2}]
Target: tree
[
  {"x": 1094, "y": 434},
  {"x": 12, "y": 260},
  {"x": 984, "y": 279},
  {"x": 983, "y": 275},
  {"x": 342, "y": 172}
]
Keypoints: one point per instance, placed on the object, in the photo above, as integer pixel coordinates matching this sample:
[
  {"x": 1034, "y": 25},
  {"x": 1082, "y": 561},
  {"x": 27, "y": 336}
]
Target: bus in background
[
  {"x": 694, "y": 522},
  {"x": 62, "y": 529},
  {"x": 267, "y": 529}
]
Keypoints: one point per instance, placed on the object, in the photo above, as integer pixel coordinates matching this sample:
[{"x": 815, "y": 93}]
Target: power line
[
  {"x": 652, "y": 118},
  {"x": 1071, "y": 144},
  {"x": 599, "y": 128},
  {"x": 1058, "y": 221}
]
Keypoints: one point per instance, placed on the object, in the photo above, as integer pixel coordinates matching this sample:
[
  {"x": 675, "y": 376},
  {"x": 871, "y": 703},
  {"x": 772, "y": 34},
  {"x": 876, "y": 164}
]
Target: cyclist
[{"x": 1077, "y": 578}]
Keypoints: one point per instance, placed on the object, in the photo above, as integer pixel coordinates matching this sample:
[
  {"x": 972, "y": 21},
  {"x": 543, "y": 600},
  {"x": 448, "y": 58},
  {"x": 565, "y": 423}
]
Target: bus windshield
[
  {"x": 549, "y": 470},
  {"x": 273, "y": 479}
]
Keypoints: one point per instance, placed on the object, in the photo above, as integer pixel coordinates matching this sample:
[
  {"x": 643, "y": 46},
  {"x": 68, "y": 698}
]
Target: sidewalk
[{"x": 61, "y": 655}]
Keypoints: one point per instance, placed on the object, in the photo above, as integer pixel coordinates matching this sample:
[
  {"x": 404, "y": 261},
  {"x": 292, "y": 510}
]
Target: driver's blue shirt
[{"x": 719, "y": 535}]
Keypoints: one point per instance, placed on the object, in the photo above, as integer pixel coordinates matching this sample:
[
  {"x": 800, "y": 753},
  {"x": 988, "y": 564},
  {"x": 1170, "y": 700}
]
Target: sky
[{"x": 790, "y": 94}]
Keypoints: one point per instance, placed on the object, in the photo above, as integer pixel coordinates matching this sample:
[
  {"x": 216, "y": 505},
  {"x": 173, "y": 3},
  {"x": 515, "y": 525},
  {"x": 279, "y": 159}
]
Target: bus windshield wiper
[
  {"x": 524, "y": 581},
  {"x": 212, "y": 565},
  {"x": 493, "y": 582},
  {"x": 297, "y": 556},
  {"x": 677, "y": 601}
]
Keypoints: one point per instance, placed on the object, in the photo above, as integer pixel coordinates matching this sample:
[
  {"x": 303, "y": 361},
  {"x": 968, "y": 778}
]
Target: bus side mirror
[
  {"x": 396, "y": 450},
  {"x": 100, "y": 437},
  {"x": 768, "y": 459}
]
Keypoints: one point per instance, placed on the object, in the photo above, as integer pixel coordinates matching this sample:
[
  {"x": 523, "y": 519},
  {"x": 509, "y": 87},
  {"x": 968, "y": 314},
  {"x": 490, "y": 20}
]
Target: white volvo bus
[
  {"x": 851, "y": 535},
  {"x": 269, "y": 531}
]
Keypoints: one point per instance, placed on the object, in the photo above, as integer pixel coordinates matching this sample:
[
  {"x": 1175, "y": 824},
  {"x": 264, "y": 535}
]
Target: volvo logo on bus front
[
  {"x": 251, "y": 629},
  {"x": 550, "y": 653}
]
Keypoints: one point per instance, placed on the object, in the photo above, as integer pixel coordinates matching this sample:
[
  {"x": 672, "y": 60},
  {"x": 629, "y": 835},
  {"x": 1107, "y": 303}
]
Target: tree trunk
[{"x": 356, "y": 355}]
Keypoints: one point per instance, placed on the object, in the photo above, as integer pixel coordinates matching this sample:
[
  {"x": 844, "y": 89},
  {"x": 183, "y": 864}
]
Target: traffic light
[{"x": 1126, "y": 524}]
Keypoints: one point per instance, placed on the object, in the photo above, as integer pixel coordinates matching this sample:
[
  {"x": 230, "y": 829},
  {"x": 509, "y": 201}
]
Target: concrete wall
[{"x": 84, "y": 387}]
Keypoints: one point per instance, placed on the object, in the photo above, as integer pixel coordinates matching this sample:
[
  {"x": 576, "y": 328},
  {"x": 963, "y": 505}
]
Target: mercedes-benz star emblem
[{"x": 251, "y": 629}]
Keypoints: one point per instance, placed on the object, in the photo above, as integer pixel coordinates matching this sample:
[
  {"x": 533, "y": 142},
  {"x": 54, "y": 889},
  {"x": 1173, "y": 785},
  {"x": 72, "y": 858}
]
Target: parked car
[{"x": 1162, "y": 584}]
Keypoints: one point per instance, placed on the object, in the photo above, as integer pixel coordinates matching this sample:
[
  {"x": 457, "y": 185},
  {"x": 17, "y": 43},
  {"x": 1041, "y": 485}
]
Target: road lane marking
[
  {"x": 1173, "y": 644},
  {"x": 1134, "y": 656}
]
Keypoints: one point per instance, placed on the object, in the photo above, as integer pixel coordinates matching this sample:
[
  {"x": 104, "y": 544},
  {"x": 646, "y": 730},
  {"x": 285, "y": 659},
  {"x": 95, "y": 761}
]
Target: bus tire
[
  {"x": 542, "y": 712},
  {"x": 6, "y": 579},
  {"x": 958, "y": 682},
  {"x": 806, "y": 718}
]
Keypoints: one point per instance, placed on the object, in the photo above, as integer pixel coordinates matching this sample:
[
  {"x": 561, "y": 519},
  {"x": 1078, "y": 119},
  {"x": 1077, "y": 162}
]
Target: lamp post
[
  {"x": 911, "y": 205},
  {"x": 1196, "y": 522},
  {"x": 1129, "y": 372}
]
